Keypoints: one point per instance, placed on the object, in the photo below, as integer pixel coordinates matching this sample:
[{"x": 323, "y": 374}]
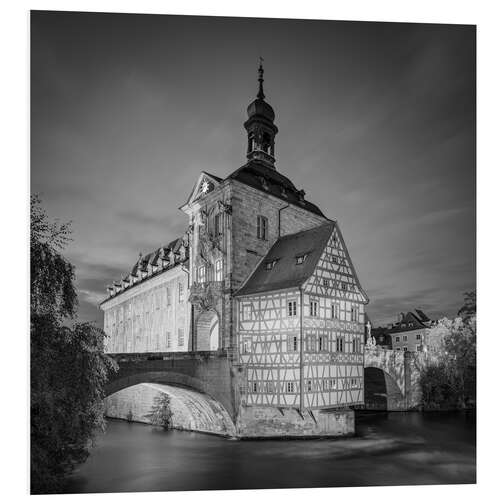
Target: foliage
[
  {"x": 161, "y": 413},
  {"x": 468, "y": 310},
  {"x": 450, "y": 381},
  {"x": 68, "y": 364}
]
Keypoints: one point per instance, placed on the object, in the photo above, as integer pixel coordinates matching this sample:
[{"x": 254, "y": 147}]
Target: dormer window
[
  {"x": 270, "y": 264},
  {"x": 299, "y": 259}
]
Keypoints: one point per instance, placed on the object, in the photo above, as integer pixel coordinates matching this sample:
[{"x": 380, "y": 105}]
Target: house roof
[
  {"x": 286, "y": 273},
  {"x": 409, "y": 322},
  {"x": 152, "y": 258},
  {"x": 260, "y": 176}
]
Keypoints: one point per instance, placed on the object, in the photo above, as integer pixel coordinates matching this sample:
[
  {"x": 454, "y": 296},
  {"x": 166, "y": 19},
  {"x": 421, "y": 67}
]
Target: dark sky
[{"x": 376, "y": 120}]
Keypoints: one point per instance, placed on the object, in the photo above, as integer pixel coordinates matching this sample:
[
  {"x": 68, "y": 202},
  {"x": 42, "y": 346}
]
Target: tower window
[
  {"x": 218, "y": 224},
  {"x": 261, "y": 227},
  {"x": 201, "y": 274},
  {"x": 218, "y": 270}
]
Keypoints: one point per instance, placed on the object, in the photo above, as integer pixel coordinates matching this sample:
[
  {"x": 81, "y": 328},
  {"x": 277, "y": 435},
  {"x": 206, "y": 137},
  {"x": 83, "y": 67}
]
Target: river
[{"x": 388, "y": 449}]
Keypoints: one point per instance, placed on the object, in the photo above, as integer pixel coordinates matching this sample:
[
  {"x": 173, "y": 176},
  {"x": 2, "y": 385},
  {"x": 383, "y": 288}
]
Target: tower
[{"x": 260, "y": 127}]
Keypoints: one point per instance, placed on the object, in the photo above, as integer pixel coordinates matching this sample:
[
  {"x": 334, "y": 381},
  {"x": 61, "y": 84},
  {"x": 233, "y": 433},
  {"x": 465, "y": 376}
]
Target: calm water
[{"x": 389, "y": 449}]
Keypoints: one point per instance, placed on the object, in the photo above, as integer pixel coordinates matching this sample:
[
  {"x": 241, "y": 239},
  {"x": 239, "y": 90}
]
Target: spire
[{"x": 261, "y": 95}]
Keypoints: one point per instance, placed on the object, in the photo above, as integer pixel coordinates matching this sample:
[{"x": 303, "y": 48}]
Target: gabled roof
[
  {"x": 286, "y": 273},
  {"x": 260, "y": 176},
  {"x": 403, "y": 325}
]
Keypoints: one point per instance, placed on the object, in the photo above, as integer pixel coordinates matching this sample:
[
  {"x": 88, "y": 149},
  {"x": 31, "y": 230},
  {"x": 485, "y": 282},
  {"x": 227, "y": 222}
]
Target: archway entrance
[{"x": 207, "y": 331}]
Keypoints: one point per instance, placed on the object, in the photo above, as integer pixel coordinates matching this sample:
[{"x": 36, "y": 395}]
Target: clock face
[{"x": 205, "y": 186}]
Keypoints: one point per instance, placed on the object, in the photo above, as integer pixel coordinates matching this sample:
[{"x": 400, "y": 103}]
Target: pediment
[{"x": 205, "y": 184}]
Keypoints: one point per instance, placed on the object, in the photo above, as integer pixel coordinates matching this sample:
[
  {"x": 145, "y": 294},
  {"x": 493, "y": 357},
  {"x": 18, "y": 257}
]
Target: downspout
[
  {"x": 301, "y": 365},
  {"x": 279, "y": 218}
]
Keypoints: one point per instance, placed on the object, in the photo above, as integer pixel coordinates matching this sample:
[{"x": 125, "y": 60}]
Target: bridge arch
[
  {"x": 193, "y": 407},
  {"x": 381, "y": 390},
  {"x": 199, "y": 384}
]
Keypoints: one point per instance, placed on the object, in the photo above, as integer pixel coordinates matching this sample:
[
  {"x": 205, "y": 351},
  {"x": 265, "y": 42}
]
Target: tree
[
  {"x": 450, "y": 380},
  {"x": 68, "y": 364},
  {"x": 468, "y": 310},
  {"x": 161, "y": 413}
]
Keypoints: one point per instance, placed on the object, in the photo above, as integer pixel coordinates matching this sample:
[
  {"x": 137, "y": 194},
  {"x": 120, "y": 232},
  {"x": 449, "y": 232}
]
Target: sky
[{"x": 377, "y": 123}]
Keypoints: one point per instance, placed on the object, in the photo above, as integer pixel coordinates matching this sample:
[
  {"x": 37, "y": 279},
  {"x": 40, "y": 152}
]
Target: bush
[{"x": 161, "y": 413}]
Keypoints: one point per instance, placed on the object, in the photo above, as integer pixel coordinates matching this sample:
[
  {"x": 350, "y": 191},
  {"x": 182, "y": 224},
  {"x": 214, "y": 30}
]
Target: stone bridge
[
  {"x": 198, "y": 383},
  {"x": 392, "y": 379}
]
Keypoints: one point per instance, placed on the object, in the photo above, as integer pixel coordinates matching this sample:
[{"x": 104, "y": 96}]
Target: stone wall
[{"x": 268, "y": 422}]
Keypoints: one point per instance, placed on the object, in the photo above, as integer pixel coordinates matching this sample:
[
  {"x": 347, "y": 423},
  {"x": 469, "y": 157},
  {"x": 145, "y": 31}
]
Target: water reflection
[{"x": 389, "y": 449}]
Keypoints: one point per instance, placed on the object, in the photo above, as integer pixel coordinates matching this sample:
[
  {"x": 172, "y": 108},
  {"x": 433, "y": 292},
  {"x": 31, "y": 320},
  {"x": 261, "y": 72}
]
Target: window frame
[
  {"x": 291, "y": 308},
  {"x": 262, "y": 227}
]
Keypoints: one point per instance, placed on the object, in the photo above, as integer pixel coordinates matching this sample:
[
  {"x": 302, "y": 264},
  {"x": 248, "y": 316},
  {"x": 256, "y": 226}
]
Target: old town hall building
[{"x": 260, "y": 274}]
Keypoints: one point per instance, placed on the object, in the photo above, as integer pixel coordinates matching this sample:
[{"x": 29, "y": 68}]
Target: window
[
  {"x": 398, "y": 348},
  {"x": 323, "y": 343},
  {"x": 292, "y": 308},
  {"x": 418, "y": 336},
  {"x": 292, "y": 343},
  {"x": 169, "y": 340},
  {"x": 405, "y": 348},
  {"x": 340, "y": 344},
  {"x": 218, "y": 224},
  {"x": 169, "y": 297},
  {"x": 181, "y": 292},
  {"x": 201, "y": 274},
  {"x": 311, "y": 343},
  {"x": 344, "y": 286},
  {"x": 335, "y": 310},
  {"x": 247, "y": 311},
  {"x": 290, "y": 387},
  {"x": 180, "y": 337},
  {"x": 325, "y": 384},
  {"x": 335, "y": 260},
  {"x": 261, "y": 227},
  {"x": 254, "y": 387},
  {"x": 270, "y": 264},
  {"x": 247, "y": 345},
  {"x": 419, "y": 348},
  {"x": 309, "y": 386},
  {"x": 218, "y": 270},
  {"x": 354, "y": 313},
  {"x": 300, "y": 259},
  {"x": 313, "y": 308},
  {"x": 354, "y": 345},
  {"x": 295, "y": 344},
  {"x": 398, "y": 339},
  {"x": 333, "y": 383},
  {"x": 326, "y": 282},
  {"x": 405, "y": 338}
]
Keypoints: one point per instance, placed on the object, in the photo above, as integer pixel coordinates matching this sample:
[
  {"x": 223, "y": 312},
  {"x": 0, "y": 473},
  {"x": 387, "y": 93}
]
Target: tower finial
[{"x": 261, "y": 95}]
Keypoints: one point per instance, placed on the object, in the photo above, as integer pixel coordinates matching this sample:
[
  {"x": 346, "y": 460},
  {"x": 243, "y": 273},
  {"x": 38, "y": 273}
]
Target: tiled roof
[
  {"x": 286, "y": 273},
  {"x": 153, "y": 258},
  {"x": 260, "y": 176}
]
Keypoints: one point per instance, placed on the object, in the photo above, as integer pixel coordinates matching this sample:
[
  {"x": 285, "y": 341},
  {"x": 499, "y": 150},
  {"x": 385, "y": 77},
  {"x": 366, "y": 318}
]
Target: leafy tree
[
  {"x": 468, "y": 310},
  {"x": 450, "y": 380},
  {"x": 68, "y": 364},
  {"x": 161, "y": 413}
]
